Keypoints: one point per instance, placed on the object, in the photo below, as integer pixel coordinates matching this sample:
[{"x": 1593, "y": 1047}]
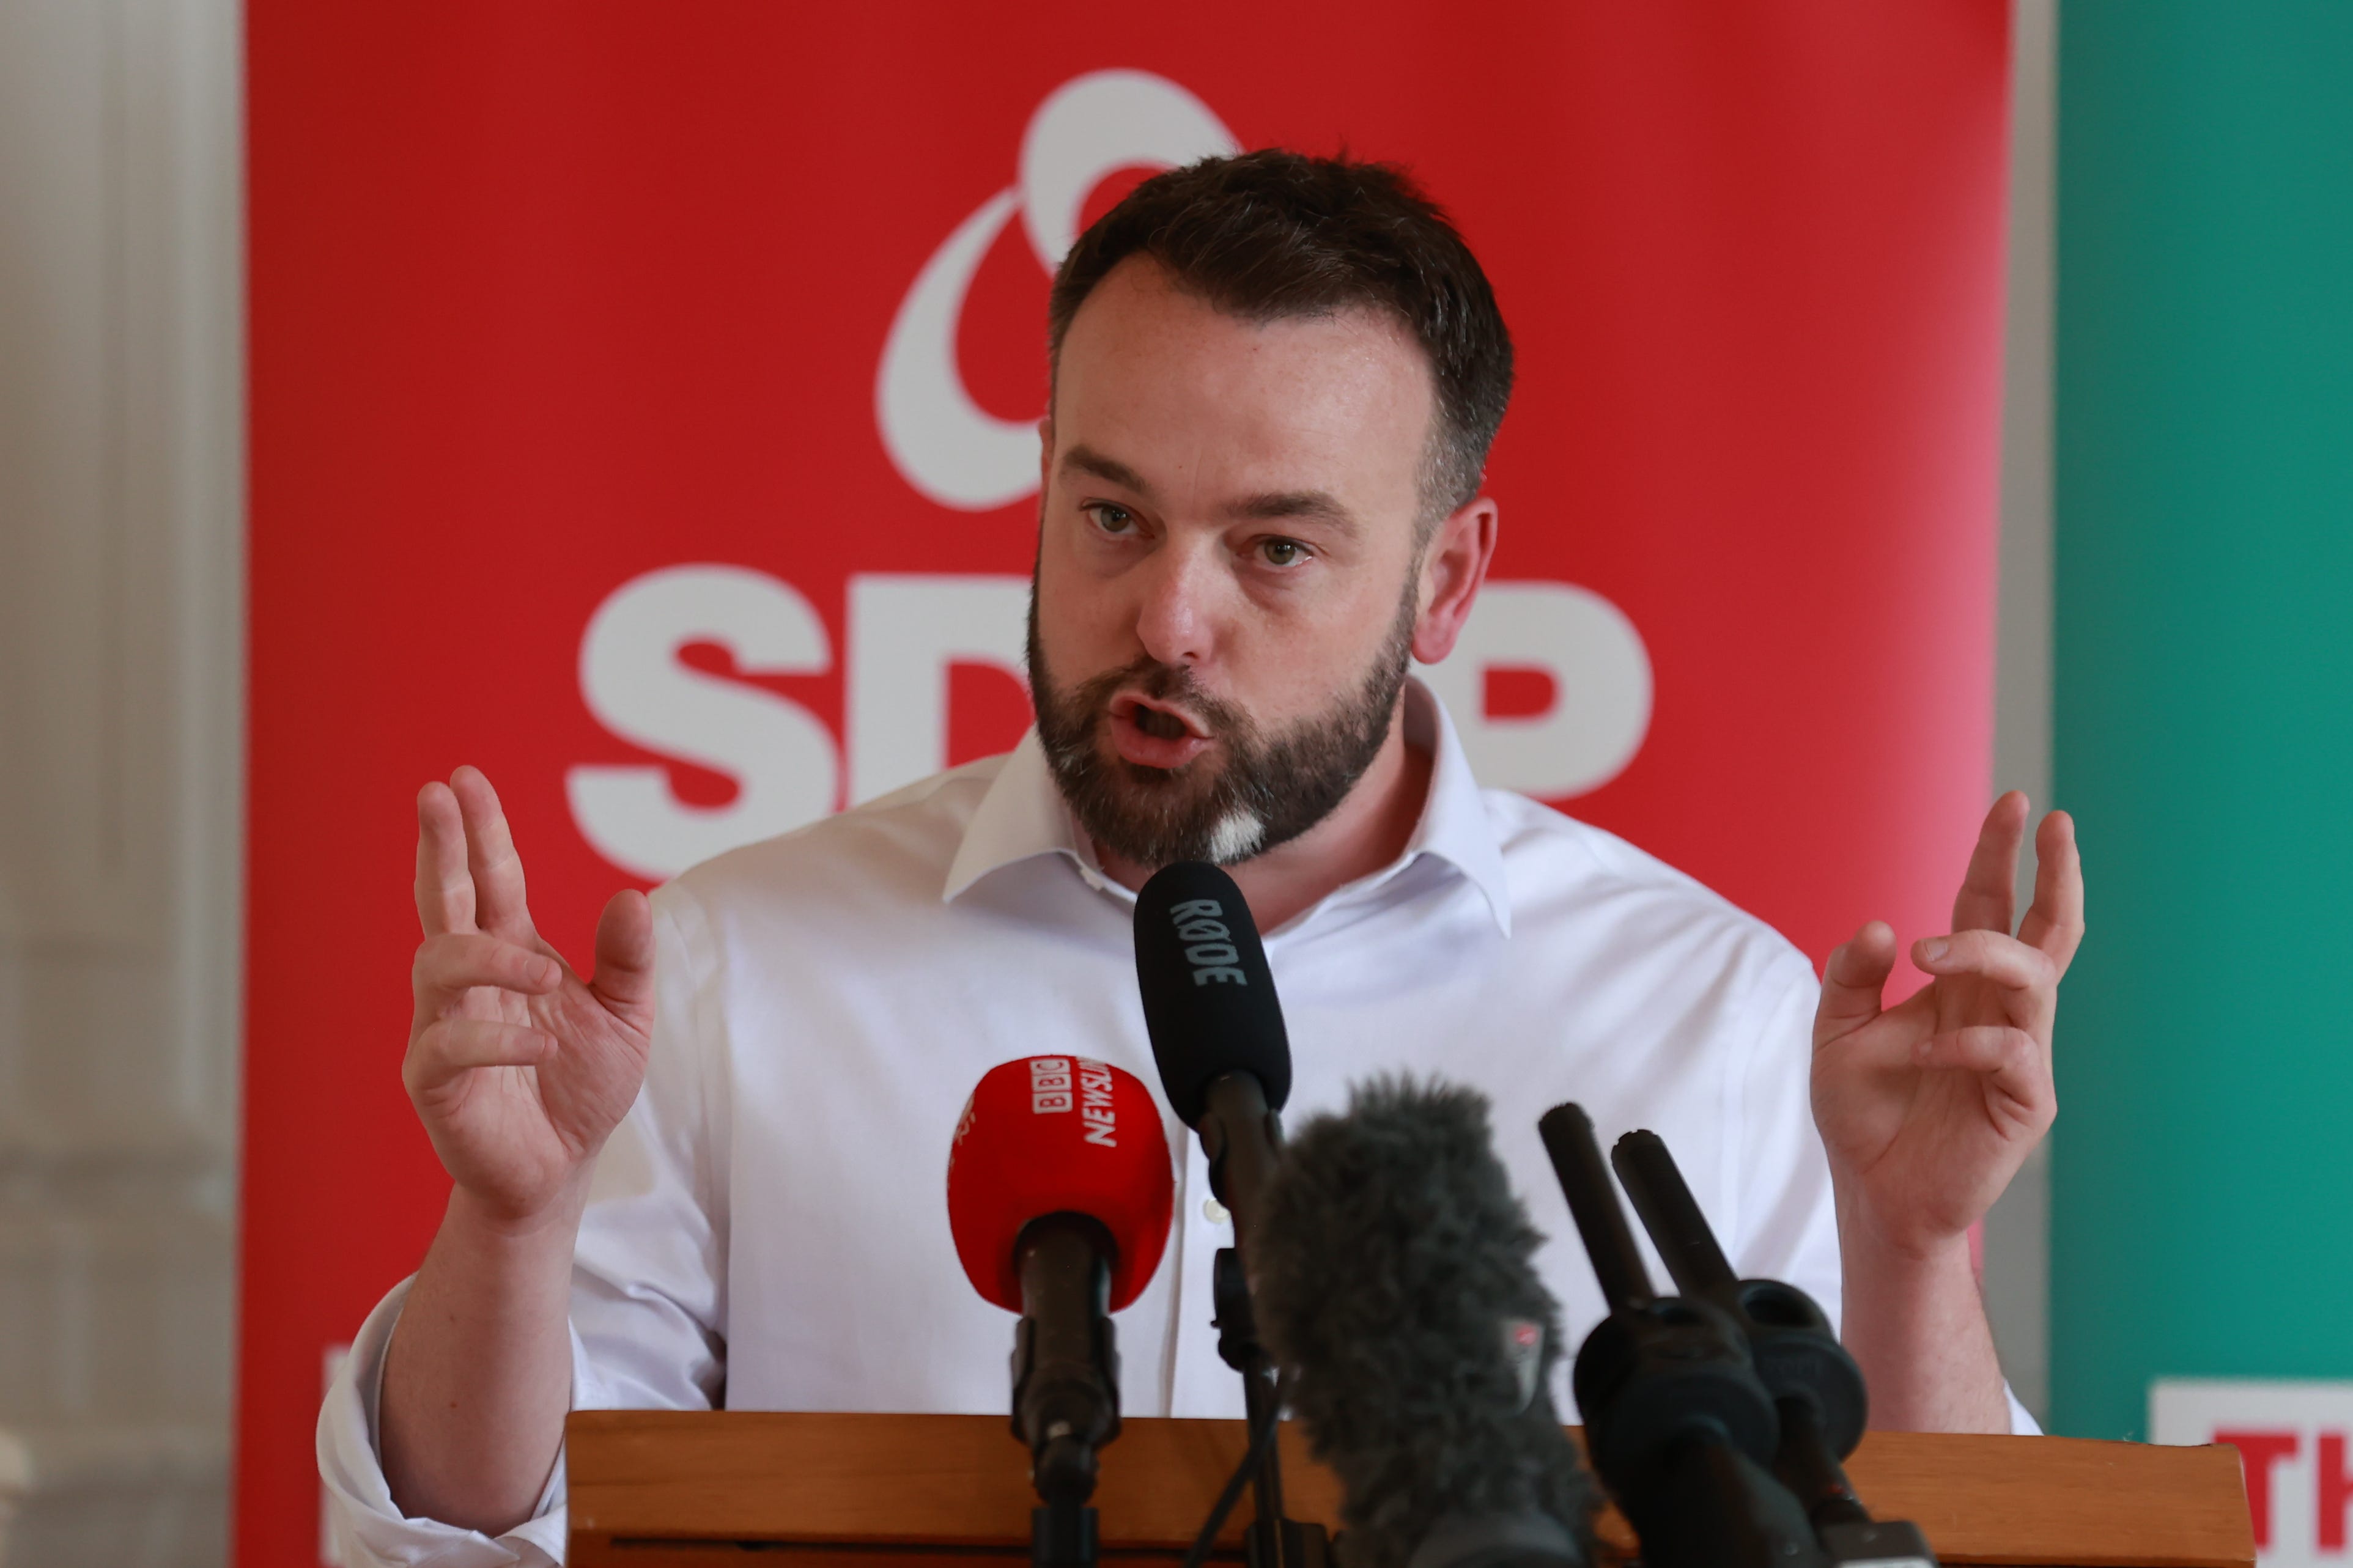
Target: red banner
[{"x": 643, "y": 405}]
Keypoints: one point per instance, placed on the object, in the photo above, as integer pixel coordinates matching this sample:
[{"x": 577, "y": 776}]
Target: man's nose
[{"x": 1176, "y": 617}]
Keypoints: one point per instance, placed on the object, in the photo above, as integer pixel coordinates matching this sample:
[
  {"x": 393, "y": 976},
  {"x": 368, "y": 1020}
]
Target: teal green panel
[{"x": 2203, "y": 702}]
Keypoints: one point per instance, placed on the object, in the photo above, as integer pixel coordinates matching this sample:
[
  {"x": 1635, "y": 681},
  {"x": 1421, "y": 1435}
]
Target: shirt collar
[{"x": 1023, "y": 816}]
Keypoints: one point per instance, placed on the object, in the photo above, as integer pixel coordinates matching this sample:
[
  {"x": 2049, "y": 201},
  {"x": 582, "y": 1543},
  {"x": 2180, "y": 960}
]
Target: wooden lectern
[{"x": 653, "y": 1488}]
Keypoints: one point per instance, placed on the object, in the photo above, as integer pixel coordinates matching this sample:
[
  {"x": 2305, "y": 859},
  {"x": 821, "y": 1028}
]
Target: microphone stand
[
  {"x": 1240, "y": 1138},
  {"x": 1677, "y": 1424},
  {"x": 1065, "y": 1379},
  {"x": 1818, "y": 1390}
]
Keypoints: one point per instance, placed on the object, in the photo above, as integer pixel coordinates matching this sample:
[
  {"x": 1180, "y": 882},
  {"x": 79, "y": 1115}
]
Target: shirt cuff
[
  {"x": 2022, "y": 1423},
  {"x": 364, "y": 1527}
]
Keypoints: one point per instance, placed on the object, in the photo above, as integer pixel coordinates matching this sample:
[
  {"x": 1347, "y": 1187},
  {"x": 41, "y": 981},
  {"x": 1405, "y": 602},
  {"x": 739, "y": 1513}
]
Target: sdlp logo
[{"x": 905, "y": 631}]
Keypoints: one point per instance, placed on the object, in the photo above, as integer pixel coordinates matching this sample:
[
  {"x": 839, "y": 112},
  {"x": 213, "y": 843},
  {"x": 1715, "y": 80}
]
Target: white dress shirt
[{"x": 768, "y": 1230}]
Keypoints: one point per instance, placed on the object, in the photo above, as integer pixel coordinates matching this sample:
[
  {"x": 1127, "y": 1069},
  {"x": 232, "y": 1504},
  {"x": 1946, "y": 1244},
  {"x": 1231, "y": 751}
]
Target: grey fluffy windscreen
[{"x": 1389, "y": 1253}]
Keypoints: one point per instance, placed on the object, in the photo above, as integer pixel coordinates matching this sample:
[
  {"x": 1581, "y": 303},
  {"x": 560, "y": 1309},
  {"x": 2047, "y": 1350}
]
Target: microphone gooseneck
[
  {"x": 1065, "y": 1370},
  {"x": 1395, "y": 1285}
]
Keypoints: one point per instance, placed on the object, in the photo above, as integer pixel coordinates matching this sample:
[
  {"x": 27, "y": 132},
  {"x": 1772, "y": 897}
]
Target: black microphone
[
  {"x": 1680, "y": 1429},
  {"x": 1394, "y": 1279},
  {"x": 1215, "y": 1027},
  {"x": 1816, "y": 1387},
  {"x": 1225, "y": 1064}
]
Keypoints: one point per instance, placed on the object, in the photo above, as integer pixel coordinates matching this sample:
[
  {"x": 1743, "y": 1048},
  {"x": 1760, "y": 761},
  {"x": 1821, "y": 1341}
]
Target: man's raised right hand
[{"x": 518, "y": 1067}]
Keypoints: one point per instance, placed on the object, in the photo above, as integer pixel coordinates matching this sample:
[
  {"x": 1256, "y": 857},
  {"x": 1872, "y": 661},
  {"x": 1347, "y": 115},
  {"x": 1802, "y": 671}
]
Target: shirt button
[{"x": 1213, "y": 1211}]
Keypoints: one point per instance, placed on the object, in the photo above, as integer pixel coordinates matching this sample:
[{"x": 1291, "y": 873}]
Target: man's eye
[
  {"x": 1282, "y": 551},
  {"x": 1112, "y": 520}
]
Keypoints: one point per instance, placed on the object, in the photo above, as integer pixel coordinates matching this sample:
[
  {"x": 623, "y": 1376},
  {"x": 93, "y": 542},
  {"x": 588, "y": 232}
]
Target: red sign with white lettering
[{"x": 643, "y": 405}]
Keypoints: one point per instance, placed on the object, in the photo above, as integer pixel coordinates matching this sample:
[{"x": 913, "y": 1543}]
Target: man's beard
[{"x": 1271, "y": 789}]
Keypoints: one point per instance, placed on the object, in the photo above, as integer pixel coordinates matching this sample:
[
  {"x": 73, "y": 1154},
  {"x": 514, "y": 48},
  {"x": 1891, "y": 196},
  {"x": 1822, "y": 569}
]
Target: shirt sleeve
[
  {"x": 649, "y": 1276},
  {"x": 364, "y": 1529},
  {"x": 646, "y": 1296},
  {"x": 1786, "y": 1226}
]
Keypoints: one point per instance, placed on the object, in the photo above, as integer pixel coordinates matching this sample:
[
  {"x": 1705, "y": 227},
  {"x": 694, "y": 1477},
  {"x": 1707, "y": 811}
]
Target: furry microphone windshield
[{"x": 1392, "y": 1277}]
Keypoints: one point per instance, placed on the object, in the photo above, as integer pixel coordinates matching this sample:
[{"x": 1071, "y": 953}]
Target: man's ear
[
  {"x": 1454, "y": 565},
  {"x": 1045, "y": 451}
]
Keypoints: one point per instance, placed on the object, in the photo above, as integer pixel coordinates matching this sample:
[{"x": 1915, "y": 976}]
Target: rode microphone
[
  {"x": 1394, "y": 1278},
  {"x": 1225, "y": 1064},
  {"x": 1215, "y": 1027},
  {"x": 1060, "y": 1197}
]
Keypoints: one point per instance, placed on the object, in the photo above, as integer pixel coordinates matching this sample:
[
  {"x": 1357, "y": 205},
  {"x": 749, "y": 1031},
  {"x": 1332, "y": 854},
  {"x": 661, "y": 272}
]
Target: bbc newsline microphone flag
[{"x": 644, "y": 403}]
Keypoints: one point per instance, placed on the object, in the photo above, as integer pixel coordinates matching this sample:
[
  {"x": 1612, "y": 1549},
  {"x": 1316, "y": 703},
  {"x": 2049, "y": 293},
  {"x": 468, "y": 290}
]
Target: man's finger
[
  {"x": 459, "y": 1045},
  {"x": 2004, "y": 961},
  {"x": 1852, "y": 982},
  {"x": 624, "y": 951},
  {"x": 2012, "y": 1058},
  {"x": 1988, "y": 897},
  {"x": 2055, "y": 922},
  {"x": 491, "y": 855},
  {"x": 455, "y": 962},
  {"x": 444, "y": 888}
]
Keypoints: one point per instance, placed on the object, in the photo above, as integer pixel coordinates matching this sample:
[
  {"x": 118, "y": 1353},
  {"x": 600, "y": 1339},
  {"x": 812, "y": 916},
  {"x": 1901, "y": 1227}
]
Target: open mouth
[
  {"x": 1154, "y": 735},
  {"x": 1158, "y": 719},
  {"x": 1153, "y": 721}
]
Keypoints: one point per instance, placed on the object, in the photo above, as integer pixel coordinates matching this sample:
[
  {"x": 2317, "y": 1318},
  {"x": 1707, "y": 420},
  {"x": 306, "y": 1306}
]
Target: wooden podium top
[{"x": 653, "y": 1488}]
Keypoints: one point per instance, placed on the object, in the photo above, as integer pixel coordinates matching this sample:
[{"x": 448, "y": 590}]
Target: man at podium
[{"x": 707, "y": 1169}]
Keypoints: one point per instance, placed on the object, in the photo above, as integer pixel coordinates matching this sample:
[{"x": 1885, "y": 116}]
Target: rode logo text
[{"x": 1209, "y": 945}]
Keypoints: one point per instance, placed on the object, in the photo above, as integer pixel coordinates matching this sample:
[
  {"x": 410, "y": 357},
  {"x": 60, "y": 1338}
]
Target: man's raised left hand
[{"x": 1928, "y": 1108}]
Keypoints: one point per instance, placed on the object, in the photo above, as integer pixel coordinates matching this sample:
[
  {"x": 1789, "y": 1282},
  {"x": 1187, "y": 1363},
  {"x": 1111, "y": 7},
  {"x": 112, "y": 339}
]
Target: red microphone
[
  {"x": 1053, "y": 1134},
  {"x": 1059, "y": 1195}
]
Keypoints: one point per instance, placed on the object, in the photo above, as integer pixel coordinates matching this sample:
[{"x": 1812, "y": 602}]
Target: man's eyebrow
[
  {"x": 1320, "y": 506},
  {"x": 1087, "y": 460}
]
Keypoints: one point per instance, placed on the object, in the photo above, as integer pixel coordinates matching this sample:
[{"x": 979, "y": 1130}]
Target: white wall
[
  {"x": 2018, "y": 1232},
  {"x": 120, "y": 632}
]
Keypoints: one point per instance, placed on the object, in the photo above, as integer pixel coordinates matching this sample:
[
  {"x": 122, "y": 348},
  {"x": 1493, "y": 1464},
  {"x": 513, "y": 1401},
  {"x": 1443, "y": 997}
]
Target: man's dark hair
[{"x": 1268, "y": 234}]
